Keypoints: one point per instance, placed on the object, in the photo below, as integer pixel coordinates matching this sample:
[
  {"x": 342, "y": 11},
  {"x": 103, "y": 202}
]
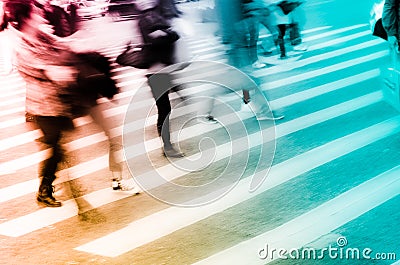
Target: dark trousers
[
  {"x": 52, "y": 129},
  {"x": 160, "y": 84},
  {"x": 281, "y": 39},
  {"x": 295, "y": 37}
]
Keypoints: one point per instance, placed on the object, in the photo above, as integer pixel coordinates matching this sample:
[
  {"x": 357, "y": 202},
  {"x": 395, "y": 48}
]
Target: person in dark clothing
[
  {"x": 156, "y": 33},
  {"x": 390, "y": 22}
]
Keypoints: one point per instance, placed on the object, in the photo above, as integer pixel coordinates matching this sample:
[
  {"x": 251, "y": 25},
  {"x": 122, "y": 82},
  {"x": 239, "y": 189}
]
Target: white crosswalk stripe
[{"x": 336, "y": 80}]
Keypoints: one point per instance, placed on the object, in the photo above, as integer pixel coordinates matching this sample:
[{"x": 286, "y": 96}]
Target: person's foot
[
  {"x": 258, "y": 65},
  {"x": 271, "y": 116},
  {"x": 207, "y": 119},
  {"x": 125, "y": 185},
  {"x": 171, "y": 152},
  {"x": 45, "y": 196}
]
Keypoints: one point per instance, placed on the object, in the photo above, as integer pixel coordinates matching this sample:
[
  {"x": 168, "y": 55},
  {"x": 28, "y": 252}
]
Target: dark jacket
[
  {"x": 60, "y": 21},
  {"x": 161, "y": 49},
  {"x": 390, "y": 17}
]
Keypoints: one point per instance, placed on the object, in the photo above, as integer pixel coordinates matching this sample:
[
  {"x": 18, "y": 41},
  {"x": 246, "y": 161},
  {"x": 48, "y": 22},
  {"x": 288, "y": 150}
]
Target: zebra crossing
[{"x": 335, "y": 162}]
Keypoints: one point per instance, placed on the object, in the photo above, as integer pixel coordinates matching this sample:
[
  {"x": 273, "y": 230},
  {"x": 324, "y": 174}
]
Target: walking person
[
  {"x": 63, "y": 24},
  {"x": 158, "y": 37},
  {"x": 252, "y": 11},
  {"x": 228, "y": 14},
  {"x": 54, "y": 94},
  {"x": 45, "y": 66},
  {"x": 390, "y": 22},
  {"x": 94, "y": 81},
  {"x": 287, "y": 17},
  {"x": 242, "y": 55}
]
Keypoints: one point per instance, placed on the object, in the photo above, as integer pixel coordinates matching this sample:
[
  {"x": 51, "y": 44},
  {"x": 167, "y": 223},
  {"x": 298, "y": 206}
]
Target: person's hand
[
  {"x": 393, "y": 43},
  {"x": 156, "y": 34}
]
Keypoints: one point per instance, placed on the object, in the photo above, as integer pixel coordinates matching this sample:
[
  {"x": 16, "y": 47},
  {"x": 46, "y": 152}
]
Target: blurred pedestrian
[
  {"x": 287, "y": 18},
  {"x": 94, "y": 81},
  {"x": 228, "y": 14},
  {"x": 45, "y": 65},
  {"x": 63, "y": 24},
  {"x": 60, "y": 85},
  {"x": 390, "y": 22},
  {"x": 251, "y": 11},
  {"x": 266, "y": 19},
  {"x": 243, "y": 55},
  {"x": 159, "y": 39}
]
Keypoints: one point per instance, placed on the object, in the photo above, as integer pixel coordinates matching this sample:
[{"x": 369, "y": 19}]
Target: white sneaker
[
  {"x": 125, "y": 185},
  {"x": 258, "y": 65}
]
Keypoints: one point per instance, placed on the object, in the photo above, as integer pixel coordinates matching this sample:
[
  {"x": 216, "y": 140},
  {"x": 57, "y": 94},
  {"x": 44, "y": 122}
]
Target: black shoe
[
  {"x": 45, "y": 196},
  {"x": 208, "y": 119},
  {"x": 171, "y": 152}
]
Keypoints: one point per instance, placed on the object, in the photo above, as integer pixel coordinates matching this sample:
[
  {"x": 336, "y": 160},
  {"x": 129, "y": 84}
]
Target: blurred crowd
[{"x": 63, "y": 84}]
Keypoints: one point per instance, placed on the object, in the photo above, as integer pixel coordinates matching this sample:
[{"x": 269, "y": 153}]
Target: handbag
[
  {"x": 139, "y": 57},
  {"x": 94, "y": 77},
  {"x": 288, "y": 6}
]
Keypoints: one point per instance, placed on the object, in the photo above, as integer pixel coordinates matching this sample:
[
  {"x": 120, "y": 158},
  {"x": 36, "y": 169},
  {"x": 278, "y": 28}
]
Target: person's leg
[
  {"x": 267, "y": 21},
  {"x": 297, "y": 19},
  {"x": 227, "y": 14},
  {"x": 253, "y": 34},
  {"x": 206, "y": 102},
  {"x": 51, "y": 128},
  {"x": 281, "y": 42},
  {"x": 115, "y": 146},
  {"x": 253, "y": 28},
  {"x": 259, "y": 102},
  {"x": 160, "y": 83},
  {"x": 115, "y": 156}
]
